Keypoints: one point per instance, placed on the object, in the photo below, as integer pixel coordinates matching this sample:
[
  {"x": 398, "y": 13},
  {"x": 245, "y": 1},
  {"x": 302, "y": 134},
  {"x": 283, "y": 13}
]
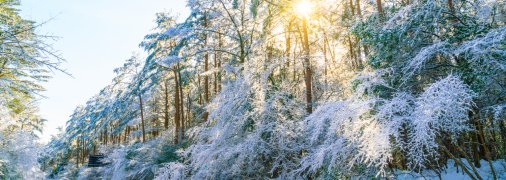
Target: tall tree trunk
[
  {"x": 294, "y": 64},
  {"x": 206, "y": 66},
  {"x": 288, "y": 46},
  {"x": 325, "y": 57},
  {"x": 85, "y": 152},
  {"x": 475, "y": 141},
  {"x": 188, "y": 108},
  {"x": 220, "y": 46},
  {"x": 142, "y": 119},
  {"x": 177, "y": 115},
  {"x": 215, "y": 74},
  {"x": 154, "y": 120},
  {"x": 359, "y": 13},
  {"x": 474, "y": 147},
  {"x": 450, "y": 6},
  {"x": 307, "y": 68},
  {"x": 77, "y": 154},
  {"x": 352, "y": 9},
  {"x": 358, "y": 56},
  {"x": 199, "y": 92},
  {"x": 379, "y": 7},
  {"x": 166, "y": 112},
  {"x": 181, "y": 104},
  {"x": 352, "y": 53},
  {"x": 486, "y": 150},
  {"x": 206, "y": 78},
  {"x": 359, "y": 9},
  {"x": 125, "y": 141}
]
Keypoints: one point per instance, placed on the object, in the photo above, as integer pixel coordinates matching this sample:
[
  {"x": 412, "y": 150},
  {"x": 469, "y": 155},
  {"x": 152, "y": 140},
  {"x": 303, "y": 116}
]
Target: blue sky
[{"x": 96, "y": 36}]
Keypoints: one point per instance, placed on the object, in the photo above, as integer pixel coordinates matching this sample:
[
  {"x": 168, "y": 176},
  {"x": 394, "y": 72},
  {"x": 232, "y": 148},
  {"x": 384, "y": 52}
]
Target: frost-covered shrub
[
  {"x": 19, "y": 148},
  {"x": 172, "y": 170},
  {"x": 366, "y": 132},
  {"x": 250, "y": 134},
  {"x": 135, "y": 161},
  {"x": 486, "y": 53},
  {"x": 18, "y": 156},
  {"x": 117, "y": 169},
  {"x": 443, "y": 108},
  {"x": 326, "y": 130},
  {"x": 217, "y": 146},
  {"x": 420, "y": 60}
]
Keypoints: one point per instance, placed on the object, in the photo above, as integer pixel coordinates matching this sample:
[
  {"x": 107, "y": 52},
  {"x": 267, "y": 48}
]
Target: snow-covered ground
[{"x": 456, "y": 173}]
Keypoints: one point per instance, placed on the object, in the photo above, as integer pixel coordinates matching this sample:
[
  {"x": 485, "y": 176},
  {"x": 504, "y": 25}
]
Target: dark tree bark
[
  {"x": 166, "y": 112},
  {"x": 181, "y": 103},
  {"x": 77, "y": 154},
  {"x": 325, "y": 60},
  {"x": 177, "y": 116},
  {"x": 206, "y": 65},
  {"x": 352, "y": 9},
  {"x": 288, "y": 44},
  {"x": 142, "y": 119},
  {"x": 307, "y": 68},
  {"x": 450, "y": 6},
  {"x": 379, "y": 7}
]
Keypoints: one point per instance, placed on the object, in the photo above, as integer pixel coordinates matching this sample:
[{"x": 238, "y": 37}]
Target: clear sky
[{"x": 96, "y": 36}]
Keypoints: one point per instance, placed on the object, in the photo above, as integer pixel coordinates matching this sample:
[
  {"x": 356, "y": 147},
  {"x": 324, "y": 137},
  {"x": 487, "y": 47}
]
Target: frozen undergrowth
[
  {"x": 360, "y": 131},
  {"x": 135, "y": 161},
  {"x": 401, "y": 112},
  {"x": 357, "y": 131},
  {"x": 172, "y": 170},
  {"x": 19, "y": 148},
  {"x": 453, "y": 172},
  {"x": 245, "y": 131},
  {"x": 18, "y": 156}
]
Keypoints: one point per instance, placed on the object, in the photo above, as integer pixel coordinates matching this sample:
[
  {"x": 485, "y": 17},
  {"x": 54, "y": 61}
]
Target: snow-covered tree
[{"x": 275, "y": 89}]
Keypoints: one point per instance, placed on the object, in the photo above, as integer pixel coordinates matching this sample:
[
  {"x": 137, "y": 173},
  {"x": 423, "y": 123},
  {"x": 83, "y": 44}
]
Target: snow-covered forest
[{"x": 275, "y": 89}]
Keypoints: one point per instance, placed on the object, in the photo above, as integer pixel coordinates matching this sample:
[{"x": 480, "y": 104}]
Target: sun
[{"x": 304, "y": 8}]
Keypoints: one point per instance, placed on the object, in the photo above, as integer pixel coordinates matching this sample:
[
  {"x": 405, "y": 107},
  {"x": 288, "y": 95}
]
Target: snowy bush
[
  {"x": 327, "y": 129},
  {"x": 19, "y": 148},
  {"x": 243, "y": 135},
  {"x": 443, "y": 108},
  {"x": 172, "y": 170},
  {"x": 367, "y": 132},
  {"x": 486, "y": 53},
  {"x": 18, "y": 156}
]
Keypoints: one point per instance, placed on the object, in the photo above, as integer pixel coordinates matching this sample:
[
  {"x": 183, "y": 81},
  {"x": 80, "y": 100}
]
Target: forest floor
[
  {"x": 456, "y": 173},
  {"x": 451, "y": 173}
]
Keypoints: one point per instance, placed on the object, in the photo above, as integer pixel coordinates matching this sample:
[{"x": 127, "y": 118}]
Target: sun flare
[{"x": 304, "y": 8}]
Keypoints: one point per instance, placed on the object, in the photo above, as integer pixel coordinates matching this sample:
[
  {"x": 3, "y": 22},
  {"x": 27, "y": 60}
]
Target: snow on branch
[
  {"x": 169, "y": 61},
  {"x": 487, "y": 52},
  {"x": 172, "y": 170},
  {"x": 443, "y": 107},
  {"x": 417, "y": 63},
  {"x": 366, "y": 131}
]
